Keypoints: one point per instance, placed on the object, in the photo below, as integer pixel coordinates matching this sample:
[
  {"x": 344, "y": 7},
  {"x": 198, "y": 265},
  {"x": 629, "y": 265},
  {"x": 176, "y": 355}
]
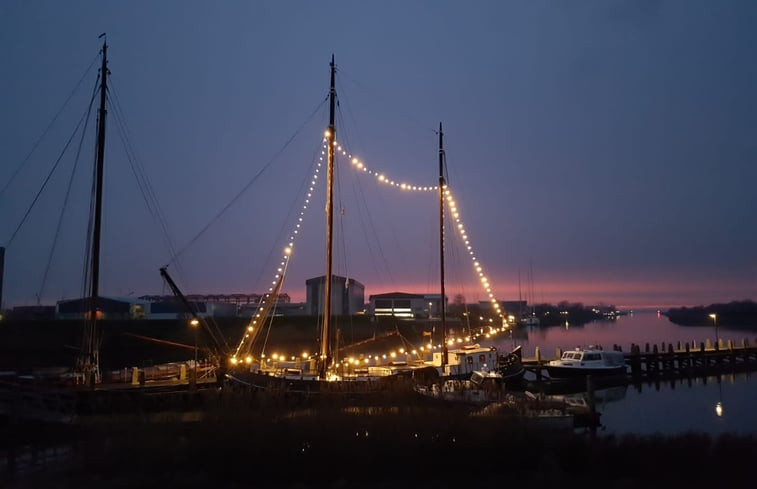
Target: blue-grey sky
[{"x": 605, "y": 148}]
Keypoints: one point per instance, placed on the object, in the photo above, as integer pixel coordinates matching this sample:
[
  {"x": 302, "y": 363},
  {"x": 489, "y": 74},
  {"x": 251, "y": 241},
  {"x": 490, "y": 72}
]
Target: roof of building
[
  {"x": 127, "y": 300},
  {"x": 334, "y": 278},
  {"x": 397, "y": 295}
]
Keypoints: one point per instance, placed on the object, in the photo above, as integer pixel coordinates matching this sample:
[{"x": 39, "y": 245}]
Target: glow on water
[
  {"x": 703, "y": 405},
  {"x": 639, "y": 328}
]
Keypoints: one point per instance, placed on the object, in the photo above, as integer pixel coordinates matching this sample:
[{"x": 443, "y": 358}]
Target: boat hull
[
  {"x": 314, "y": 388},
  {"x": 565, "y": 372}
]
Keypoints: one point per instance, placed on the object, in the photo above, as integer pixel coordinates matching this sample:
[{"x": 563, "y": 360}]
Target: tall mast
[
  {"x": 325, "y": 357},
  {"x": 442, "y": 188},
  {"x": 91, "y": 341}
]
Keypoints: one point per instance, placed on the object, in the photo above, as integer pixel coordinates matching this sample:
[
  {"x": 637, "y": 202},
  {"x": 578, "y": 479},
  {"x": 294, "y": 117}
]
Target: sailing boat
[
  {"x": 471, "y": 373},
  {"x": 312, "y": 375},
  {"x": 321, "y": 373}
]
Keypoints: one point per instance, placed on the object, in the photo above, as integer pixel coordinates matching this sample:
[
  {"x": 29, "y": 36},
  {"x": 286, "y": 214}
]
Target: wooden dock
[{"x": 668, "y": 360}]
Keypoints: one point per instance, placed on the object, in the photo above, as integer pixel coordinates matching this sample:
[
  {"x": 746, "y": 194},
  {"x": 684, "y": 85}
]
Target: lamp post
[
  {"x": 195, "y": 323},
  {"x": 715, "y": 322}
]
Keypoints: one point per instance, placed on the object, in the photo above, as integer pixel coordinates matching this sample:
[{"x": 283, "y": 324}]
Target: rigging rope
[
  {"x": 49, "y": 126},
  {"x": 292, "y": 208},
  {"x": 151, "y": 201},
  {"x": 138, "y": 169},
  {"x": 371, "y": 235},
  {"x": 68, "y": 193},
  {"x": 47, "y": 178},
  {"x": 249, "y": 183},
  {"x": 86, "y": 280}
]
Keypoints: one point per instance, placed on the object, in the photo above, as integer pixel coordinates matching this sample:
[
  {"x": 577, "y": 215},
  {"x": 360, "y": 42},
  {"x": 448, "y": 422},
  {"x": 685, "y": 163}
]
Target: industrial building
[
  {"x": 133, "y": 308},
  {"x": 347, "y": 296},
  {"x": 405, "y": 305}
]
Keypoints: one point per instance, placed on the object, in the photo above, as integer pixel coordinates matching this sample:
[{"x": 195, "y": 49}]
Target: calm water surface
[
  {"x": 667, "y": 408},
  {"x": 640, "y": 328}
]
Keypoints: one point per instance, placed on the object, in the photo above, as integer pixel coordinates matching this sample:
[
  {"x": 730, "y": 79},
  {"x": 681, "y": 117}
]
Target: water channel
[{"x": 668, "y": 408}]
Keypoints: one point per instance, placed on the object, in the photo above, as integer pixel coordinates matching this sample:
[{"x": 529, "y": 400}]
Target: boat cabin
[
  {"x": 462, "y": 362},
  {"x": 591, "y": 357}
]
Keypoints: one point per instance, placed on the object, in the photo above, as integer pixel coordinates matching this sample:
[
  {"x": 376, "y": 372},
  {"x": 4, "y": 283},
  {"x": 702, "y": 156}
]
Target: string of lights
[
  {"x": 278, "y": 277},
  {"x": 460, "y": 228},
  {"x": 417, "y": 353},
  {"x": 382, "y": 177}
]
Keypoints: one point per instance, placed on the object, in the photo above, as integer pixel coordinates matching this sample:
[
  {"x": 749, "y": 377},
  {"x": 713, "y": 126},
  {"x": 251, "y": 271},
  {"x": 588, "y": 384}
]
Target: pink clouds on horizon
[{"x": 625, "y": 294}]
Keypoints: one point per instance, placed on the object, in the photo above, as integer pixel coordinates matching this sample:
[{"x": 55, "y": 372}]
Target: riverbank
[{"x": 736, "y": 314}]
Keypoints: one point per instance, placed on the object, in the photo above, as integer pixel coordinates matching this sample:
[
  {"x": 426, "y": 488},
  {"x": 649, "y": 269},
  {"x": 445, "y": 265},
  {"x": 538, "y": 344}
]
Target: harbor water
[{"x": 666, "y": 407}]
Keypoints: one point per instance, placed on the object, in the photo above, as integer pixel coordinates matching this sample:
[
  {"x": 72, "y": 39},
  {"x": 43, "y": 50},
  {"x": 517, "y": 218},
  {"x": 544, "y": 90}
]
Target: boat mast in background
[
  {"x": 89, "y": 360},
  {"x": 442, "y": 302},
  {"x": 325, "y": 359}
]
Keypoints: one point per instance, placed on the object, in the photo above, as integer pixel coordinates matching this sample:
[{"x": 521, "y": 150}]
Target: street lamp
[
  {"x": 715, "y": 322},
  {"x": 195, "y": 323}
]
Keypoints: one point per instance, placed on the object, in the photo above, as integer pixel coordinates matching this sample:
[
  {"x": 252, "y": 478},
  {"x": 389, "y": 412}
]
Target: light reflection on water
[
  {"x": 665, "y": 408},
  {"x": 678, "y": 408},
  {"x": 639, "y": 328}
]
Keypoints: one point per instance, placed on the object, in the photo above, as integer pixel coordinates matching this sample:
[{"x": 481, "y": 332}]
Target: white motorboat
[{"x": 587, "y": 361}]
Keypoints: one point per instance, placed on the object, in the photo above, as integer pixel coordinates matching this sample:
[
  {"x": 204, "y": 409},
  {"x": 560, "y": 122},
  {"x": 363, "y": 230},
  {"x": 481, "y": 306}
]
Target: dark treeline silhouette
[{"x": 734, "y": 314}]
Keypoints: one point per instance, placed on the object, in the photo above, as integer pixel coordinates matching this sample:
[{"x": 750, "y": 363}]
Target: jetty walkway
[{"x": 667, "y": 361}]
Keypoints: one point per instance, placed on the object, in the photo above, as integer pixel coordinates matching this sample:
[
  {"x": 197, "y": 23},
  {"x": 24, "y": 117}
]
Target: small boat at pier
[{"x": 592, "y": 360}]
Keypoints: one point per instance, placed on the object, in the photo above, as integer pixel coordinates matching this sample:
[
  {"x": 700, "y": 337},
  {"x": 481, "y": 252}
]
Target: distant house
[{"x": 405, "y": 305}]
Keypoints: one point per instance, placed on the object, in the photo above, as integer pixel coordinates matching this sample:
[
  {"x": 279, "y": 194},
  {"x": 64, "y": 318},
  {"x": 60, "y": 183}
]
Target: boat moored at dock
[{"x": 587, "y": 361}]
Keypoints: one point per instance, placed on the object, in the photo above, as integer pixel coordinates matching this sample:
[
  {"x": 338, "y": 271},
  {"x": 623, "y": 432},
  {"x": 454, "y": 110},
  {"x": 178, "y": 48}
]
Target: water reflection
[
  {"x": 665, "y": 407},
  {"x": 719, "y": 404},
  {"x": 685, "y": 405},
  {"x": 639, "y": 328}
]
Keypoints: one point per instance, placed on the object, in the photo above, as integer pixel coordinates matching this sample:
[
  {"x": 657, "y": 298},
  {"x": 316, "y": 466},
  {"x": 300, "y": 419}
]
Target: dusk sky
[{"x": 606, "y": 148}]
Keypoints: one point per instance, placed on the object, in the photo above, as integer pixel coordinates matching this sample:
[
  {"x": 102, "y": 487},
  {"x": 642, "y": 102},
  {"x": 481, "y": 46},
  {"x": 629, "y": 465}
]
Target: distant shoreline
[{"x": 736, "y": 314}]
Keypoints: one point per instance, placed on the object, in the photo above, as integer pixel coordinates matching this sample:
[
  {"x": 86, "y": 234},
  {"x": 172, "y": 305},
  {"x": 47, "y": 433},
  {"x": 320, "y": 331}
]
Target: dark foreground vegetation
[
  {"x": 239, "y": 445},
  {"x": 741, "y": 314}
]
